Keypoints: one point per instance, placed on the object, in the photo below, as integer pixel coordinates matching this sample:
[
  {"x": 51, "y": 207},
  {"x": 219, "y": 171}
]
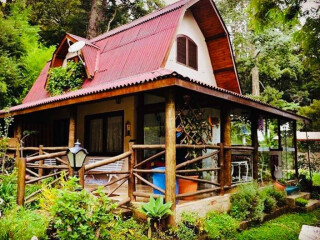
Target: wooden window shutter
[
  {"x": 182, "y": 50},
  {"x": 192, "y": 54}
]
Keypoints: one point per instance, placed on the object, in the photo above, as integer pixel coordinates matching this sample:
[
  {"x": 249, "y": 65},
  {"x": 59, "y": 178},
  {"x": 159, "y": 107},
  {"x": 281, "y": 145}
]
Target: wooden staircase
[{"x": 312, "y": 203}]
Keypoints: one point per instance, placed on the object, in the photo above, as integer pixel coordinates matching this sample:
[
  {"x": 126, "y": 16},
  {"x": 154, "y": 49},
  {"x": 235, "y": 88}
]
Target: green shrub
[
  {"x": 78, "y": 214},
  {"x": 62, "y": 79},
  {"x": 23, "y": 224},
  {"x": 269, "y": 204},
  {"x": 190, "y": 227},
  {"x": 8, "y": 191},
  {"x": 220, "y": 226},
  {"x": 301, "y": 202},
  {"x": 124, "y": 230},
  {"x": 316, "y": 179},
  {"x": 247, "y": 204},
  {"x": 279, "y": 196},
  {"x": 185, "y": 233}
]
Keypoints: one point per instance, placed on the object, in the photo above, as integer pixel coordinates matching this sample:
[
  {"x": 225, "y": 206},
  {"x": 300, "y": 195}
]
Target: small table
[{"x": 239, "y": 164}]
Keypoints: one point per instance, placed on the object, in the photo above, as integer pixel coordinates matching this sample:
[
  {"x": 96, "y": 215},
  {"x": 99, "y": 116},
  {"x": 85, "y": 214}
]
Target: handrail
[
  {"x": 107, "y": 161},
  {"x": 37, "y": 148},
  {"x": 163, "y": 146},
  {"x": 46, "y": 156},
  {"x": 196, "y": 159}
]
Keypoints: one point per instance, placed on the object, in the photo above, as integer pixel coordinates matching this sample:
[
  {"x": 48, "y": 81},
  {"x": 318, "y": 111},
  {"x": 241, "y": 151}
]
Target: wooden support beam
[
  {"x": 221, "y": 164},
  {"x": 40, "y": 170},
  {"x": 170, "y": 155},
  {"x": 226, "y": 140},
  {"x": 255, "y": 145},
  {"x": 131, "y": 179},
  {"x": 294, "y": 129},
  {"x": 21, "y": 181},
  {"x": 72, "y": 131},
  {"x": 72, "y": 127},
  {"x": 81, "y": 176}
]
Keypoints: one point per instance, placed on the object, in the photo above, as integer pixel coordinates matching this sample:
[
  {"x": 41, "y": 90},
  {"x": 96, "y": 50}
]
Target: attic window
[{"x": 187, "y": 52}]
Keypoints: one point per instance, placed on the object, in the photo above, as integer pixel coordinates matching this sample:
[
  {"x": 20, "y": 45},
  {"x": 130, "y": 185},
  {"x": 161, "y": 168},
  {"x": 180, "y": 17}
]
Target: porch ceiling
[{"x": 155, "y": 80}]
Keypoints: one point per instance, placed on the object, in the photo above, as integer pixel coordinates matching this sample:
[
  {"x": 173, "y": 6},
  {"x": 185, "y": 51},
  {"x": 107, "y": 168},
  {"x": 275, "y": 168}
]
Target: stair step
[
  {"x": 291, "y": 199},
  {"x": 312, "y": 204}
]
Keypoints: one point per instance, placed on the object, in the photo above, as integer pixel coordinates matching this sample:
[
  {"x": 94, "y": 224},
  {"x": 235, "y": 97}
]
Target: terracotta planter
[
  {"x": 186, "y": 186},
  {"x": 279, "y": 186}
]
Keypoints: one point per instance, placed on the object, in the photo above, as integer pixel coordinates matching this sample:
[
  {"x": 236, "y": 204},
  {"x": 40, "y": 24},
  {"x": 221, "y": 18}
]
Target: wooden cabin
[{"x": 140, "y": 79}]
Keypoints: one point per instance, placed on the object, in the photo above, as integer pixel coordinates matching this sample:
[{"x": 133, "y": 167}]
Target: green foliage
[
  {"x": 8, "y": 191},
  {"x": 62, "y": 79},
  {"x": 190, "y": 227},
  {"x": 21, "y": 55},
  {"x": 274, "y": 97},
  {"x": 23, "y": 224},
  {"x": 220, "y": 226},
  {"x": 79, "y": 214},
  {"x": 287, "y": 227},
  {"x": 247, "y": 203},
  {"x": 156, "y": 209},
  {"x": 4, "y": 139},
  {"x": 313, "y": 112},
  {"x": 316, "y": 179},
  {"x": 124, "y": 230},
  {"x": 269, "y": 204},
  {"x": 56, "y": 17},
  {"x": 301, "y": 202}
]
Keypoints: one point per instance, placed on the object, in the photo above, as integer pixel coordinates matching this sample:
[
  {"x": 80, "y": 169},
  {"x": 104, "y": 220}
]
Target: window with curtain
[
  {"x": 187, "y": 52},
  {"x": 104, "y": 134}
]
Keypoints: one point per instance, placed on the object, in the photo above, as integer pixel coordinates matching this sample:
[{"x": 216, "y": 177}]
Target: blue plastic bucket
[{"x": 159, "y": 179}]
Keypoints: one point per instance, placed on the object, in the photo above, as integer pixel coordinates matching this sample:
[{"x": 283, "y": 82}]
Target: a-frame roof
[{"x": 143, "y": 45}]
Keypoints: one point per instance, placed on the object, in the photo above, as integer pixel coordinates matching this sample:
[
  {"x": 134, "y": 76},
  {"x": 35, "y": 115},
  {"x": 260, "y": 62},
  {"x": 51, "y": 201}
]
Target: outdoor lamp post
[{"x": 76, "y": 157}]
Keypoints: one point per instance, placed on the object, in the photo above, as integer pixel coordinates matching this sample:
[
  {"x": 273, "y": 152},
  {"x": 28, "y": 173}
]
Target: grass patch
[{"x": 287, "y": 227}]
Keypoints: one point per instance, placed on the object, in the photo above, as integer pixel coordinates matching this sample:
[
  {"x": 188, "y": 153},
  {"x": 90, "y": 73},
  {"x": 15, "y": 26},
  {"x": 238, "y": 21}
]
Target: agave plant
[{"x": 156, "y": 210}]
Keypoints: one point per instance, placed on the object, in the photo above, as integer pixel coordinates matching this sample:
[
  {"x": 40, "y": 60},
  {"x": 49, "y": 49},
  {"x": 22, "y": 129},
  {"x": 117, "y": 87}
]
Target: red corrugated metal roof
[
  {"x": 137, "y": 48},
  {"x": 129, "y": 50}
]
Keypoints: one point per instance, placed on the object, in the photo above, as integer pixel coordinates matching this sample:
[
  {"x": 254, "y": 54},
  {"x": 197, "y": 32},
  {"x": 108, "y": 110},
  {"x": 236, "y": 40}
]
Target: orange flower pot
[
  {"x": 279, "y": 186},
  {"x": 186, "y": 186}
]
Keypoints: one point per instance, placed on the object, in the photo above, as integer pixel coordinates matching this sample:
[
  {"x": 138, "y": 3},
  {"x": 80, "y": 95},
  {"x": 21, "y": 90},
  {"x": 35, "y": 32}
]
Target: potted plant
[
  {"x": 280, "y": 184},
  {"x": 156, "y": 211}
]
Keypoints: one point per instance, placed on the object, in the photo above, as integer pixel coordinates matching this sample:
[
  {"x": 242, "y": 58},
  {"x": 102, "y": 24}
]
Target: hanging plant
[{"x": 64, "y": 79}]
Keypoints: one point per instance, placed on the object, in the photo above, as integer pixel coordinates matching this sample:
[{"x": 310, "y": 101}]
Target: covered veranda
[{"x": 220, "y": 163}]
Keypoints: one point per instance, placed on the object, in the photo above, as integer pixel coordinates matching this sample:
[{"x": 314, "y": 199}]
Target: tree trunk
[
  {"x": 93, "y": 19},
  {"x": 255, "y": 81}
]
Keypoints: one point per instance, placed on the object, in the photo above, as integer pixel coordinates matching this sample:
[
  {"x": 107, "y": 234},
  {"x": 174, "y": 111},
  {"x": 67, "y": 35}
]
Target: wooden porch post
[
  {"x": 21, "y": 181},
  {"x": 226, "y": 140},
  {"x": 40, "y": 170},
  {"x": 294, "y": 129},
  {"x": 170, "y": 155},
  {"x": 255, "y": 145},
  {"x": 72, "y": 132},
  {"x": 18, "y": 137},
  {"x": 131, "y": 180}
]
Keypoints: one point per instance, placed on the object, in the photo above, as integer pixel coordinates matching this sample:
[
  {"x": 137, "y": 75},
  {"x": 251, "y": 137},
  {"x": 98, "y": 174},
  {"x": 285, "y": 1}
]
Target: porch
[{"x": 144, "y": 136}]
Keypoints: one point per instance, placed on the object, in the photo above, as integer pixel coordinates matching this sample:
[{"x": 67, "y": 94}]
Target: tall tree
[{"x": 21, "y": 55}]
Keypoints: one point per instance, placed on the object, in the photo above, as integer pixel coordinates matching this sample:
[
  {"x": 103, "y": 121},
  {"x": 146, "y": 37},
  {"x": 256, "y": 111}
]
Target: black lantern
[{"x": 76, "y": 156}]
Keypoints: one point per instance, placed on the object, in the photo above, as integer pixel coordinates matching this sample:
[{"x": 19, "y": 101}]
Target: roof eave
[{"x": 162, "y": 82}]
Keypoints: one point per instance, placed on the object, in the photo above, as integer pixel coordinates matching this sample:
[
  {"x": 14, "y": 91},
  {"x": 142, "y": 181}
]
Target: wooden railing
[
  {"x": 36, "y": 162},
  {"x": 122, "y": 179},
  {"x": 35, "y": 167},
  {"x": 182, "y": 169}
]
